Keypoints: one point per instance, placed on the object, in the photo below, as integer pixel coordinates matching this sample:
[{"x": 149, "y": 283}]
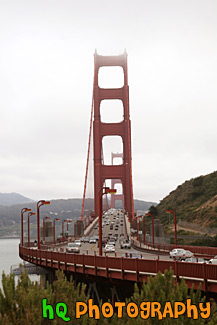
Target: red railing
[
  {"x": 197, "y": 250},
  {"x": 123, "y": 268}
]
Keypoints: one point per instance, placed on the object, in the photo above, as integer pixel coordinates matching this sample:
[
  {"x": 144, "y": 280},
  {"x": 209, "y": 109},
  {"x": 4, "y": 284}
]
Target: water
[{"x": 9, "y": 255}]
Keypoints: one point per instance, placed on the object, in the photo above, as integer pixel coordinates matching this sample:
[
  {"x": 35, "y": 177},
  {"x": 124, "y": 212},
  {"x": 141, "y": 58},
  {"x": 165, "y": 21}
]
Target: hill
[
  {"x": 194, "y": 201},
  {"x": 8, "y": 199},
  {"x": 64, "y": 208}
]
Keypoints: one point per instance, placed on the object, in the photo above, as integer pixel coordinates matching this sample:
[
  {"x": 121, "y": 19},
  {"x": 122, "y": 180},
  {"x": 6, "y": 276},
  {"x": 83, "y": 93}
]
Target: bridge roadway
[
  {"x": 118, "y": 269},
  {"x": 118, "y": 219}
]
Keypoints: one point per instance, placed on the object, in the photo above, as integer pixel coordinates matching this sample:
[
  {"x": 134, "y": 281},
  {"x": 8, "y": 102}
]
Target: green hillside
[{"x": 194, "y": 201}]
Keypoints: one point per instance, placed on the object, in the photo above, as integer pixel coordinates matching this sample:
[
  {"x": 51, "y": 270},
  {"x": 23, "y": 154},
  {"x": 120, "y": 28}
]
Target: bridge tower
[
  {"x": 122, "y": 172},
  {"x": 116, "y": 197}
]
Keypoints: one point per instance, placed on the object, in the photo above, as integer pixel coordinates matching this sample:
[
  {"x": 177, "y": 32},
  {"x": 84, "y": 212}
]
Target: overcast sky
[{"x": 46, "y": 76}]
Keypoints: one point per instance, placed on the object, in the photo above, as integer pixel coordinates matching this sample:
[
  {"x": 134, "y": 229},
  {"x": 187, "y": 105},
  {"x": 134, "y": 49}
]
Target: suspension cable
[{"x": 88, "y": 151}]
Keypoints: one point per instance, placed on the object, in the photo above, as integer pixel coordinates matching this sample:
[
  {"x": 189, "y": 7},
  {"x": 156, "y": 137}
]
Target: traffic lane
[
  {"x": 91, "y": 249},
  {"x": 87, "y": 248}
]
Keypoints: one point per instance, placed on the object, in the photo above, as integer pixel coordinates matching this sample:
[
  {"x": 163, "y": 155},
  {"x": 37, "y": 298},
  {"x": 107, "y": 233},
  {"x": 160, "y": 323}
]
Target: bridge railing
[
  {"x": 122, "y": 268},
  {"x": 197, "y": 250}
]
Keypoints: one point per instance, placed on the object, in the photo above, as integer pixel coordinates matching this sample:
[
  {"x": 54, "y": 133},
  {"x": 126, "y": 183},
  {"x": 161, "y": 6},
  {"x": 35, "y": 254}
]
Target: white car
[
  {"x": 180, "y": 253},
  {"x": 109, "y": 249},
  {"x": 112, "y": 242},
  {"x": 78, "y": 242},
  {"x": 92, "y": 240},
  {"x": 212, "y": 260},
  {"x": 188, "y": 254},
  {"x": 72, "y": 248},
  {"x": 194, "y": 260},
  {"x": 125, "y": 244}
]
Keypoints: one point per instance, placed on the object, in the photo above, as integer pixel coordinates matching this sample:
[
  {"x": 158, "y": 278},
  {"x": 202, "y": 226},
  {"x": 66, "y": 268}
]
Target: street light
[
  {"x": 138, "y": 222},
  {"x": 22, "y": 212},
  {"x": 29, "y": 215},
  {"x": 68, "y": 221},
  {"x": 151, "y": 215},
  {"x": 100, "y": 195},
  {"x": 174, "y": 213},
  {"x": 54, "y": 237},
  {"x": 144, "y": 229},
  {"x": 39, "y": 204},
  {"x": 44, "y": 218}
]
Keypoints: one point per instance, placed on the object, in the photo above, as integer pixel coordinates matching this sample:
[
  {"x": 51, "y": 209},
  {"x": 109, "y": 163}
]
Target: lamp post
[
  {"x": 144, "y": 230},
  {"x": 39, "y": 204},
  {"x": 54, "y": 237},
  {"x": 100, "y": 195},
  {"x": 152, "y": 216},
  {"x": 174, "y": 213},
  {"x": 68, "y": 221},
  {"x": 22, "y": 212},
  {"x": 44, "y": 218},
  {"x": 63, "y": 227},
  {"x": 137, "y": 228},
  {"x": 29, "y": 215}
]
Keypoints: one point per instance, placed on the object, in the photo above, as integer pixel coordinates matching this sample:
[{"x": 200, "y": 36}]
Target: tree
[{"x": 153, "y": 210}]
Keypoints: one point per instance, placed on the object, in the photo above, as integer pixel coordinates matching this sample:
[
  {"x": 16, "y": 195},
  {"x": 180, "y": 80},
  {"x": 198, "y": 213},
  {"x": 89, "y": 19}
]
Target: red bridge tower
[
  {"x": 121, "y": 172},
  {"x": 116, "y": 197}
]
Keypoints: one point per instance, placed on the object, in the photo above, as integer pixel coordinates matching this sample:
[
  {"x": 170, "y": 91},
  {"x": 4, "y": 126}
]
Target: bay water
[{"x": 9, "y": 255}]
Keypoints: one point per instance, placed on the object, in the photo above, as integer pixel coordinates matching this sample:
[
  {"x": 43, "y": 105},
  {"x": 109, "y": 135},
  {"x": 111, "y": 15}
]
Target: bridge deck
[{"x": 123, "y": 269}]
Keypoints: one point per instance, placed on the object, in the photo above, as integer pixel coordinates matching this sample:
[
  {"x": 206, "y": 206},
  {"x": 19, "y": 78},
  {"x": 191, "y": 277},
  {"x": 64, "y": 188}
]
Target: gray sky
[{"x": 46, "y": 75}]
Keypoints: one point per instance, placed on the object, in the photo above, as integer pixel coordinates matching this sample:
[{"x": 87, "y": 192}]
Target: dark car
[{"x": 104, "y": 242}]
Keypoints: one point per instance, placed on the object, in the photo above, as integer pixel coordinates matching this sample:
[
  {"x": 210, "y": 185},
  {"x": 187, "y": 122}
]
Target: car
[
  {"x": 92, "y": 240},
  {"x": 111, "y": 227},
  {"x": 109, "y": 248},
  {"x": 111, "y": 242},
  {"x": 72, "y": 248},
  {"x": 177, "y": 253},
  {"x": 212, "y": 260},
  {"x": 95, "y": 227},
  {"x": 104, "y": 242},
  {"x": 125, "y": 244},
  {"x": 110, "y": 234},
  {"x": 180, "y": 254},
  {"x": 86, "y": 239},
  {"x": 132, "y": 255},
  {"x": 187, "y": 254},
  {"x": 78, "y": 242},
  {"x": 194, "y": 259}
]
